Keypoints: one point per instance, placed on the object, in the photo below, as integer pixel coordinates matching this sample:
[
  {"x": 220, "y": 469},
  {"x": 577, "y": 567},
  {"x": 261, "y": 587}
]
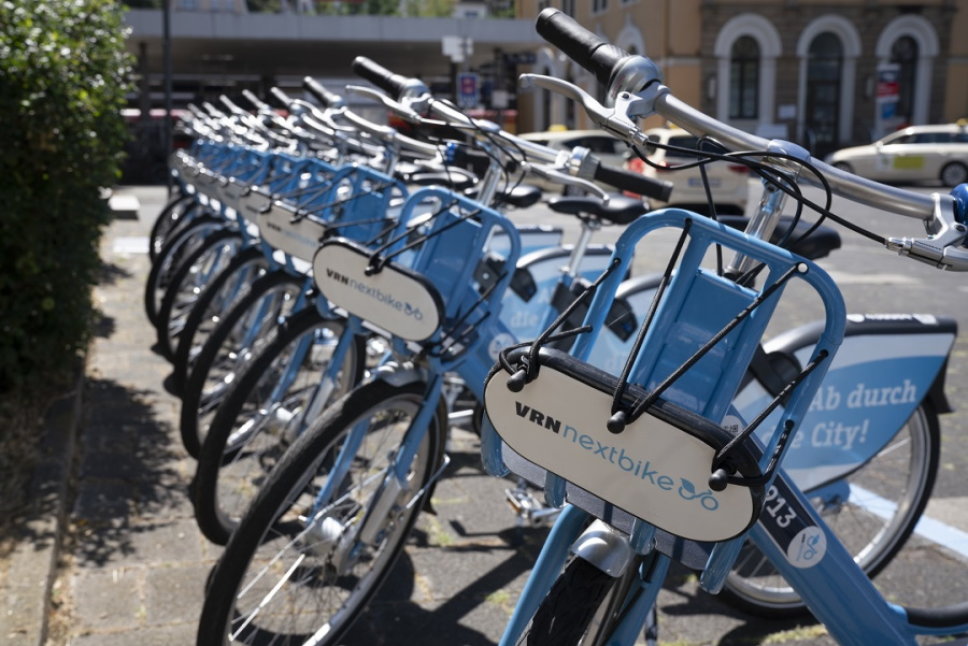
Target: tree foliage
[{"x": 63, "y": 79}]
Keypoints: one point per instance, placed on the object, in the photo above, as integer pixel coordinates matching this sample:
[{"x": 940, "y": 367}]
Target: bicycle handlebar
[
  {"x": 256, "y": 102},
  {"x": 595, "y": 54},
  {"x": 395, "y": 85},
  {"x": 582, "y": 162},
  {"x": 327, "y": 98},
  {"x": 281, "y": 97},
  {"x": 633, "y": 182},
  {"x": 634, "y": 84}
]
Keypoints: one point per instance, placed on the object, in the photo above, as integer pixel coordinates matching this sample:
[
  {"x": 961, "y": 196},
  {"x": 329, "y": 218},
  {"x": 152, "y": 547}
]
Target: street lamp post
[{"x": 166, "y": 56}]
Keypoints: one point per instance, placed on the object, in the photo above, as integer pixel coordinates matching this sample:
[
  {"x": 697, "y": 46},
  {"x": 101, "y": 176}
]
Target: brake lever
[
  {"x": 403, "y": 111},
  {"x": 944, "y": 247},
  {"x": 616, "y": 120}
]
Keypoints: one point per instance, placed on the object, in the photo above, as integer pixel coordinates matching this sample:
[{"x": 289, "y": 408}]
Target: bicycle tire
[
  {"x": 169, "y": 259},
  {"x": 249, "y": 325},
  {"x": 755, "y": 587},
  {"x": 255, "y": 422},
  {"x": 214, "y": 303},
  {"x": 274, "y": 516},
  {"x": 166, "y": 221},
  {"x": 188, "y": 282},
  {"x": 566, "y": 614}
]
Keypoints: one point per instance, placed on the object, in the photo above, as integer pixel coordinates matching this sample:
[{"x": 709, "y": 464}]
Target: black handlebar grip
[
  {"x": 327, "y": 98},
  {"x": 256, "y": 102},
  {"x": 634, "y": 182},
  {"x": 392, "y": 84},
  {"x": 228, "y": 103},
  {"x": 280, "y": 96},
  {"x": 596, "y": 55}
]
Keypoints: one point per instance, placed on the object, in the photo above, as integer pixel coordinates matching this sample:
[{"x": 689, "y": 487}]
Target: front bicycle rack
[
  {"x": 649, "y": 444},
  {"x": 425, "y": 283},
  {"x": 353, "y": 202}
]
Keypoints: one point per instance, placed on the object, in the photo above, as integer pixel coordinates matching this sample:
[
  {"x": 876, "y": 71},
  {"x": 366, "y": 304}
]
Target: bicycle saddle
[
  {"x": 619, "y": 209},
  {"x": 520, "y": 196},
  {"x": 456, "y": 179},
  {"x": 818, "y": 244}
]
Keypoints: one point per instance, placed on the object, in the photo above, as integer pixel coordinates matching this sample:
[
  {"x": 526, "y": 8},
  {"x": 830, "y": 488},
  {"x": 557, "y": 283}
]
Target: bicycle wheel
[
  {"x": 189, "y": 281},
  {"x": 213, "y": 304},
  {"x": 872, "y": 511},
  {"x": 583, "y": 606},
  {"x": 270, "y": 405},
  {"x": 231, "y": 346},
  {"x": 174, "y": 213},
  {"x": 170, "y": 258},
  {"x": 292, "y": 570}
]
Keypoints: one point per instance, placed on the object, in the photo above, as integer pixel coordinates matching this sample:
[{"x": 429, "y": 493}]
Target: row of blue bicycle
[{"x": 336, "y": 296}]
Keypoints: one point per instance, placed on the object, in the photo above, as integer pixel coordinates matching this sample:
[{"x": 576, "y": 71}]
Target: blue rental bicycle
[{"x": 659, "y": 464}]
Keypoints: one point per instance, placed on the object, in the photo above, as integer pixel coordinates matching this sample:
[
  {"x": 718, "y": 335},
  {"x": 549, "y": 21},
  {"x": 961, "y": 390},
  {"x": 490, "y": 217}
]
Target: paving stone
[
  {"x": 102, "y": 500},
  {"x": 163, "y": 542},
  {"x": 110, "y": 465},
  {"x": 109, "y": 598},
  {"x": 180, "y": 634},
  {"x": 21, "y": 609},
  {"x": 173, "y": 593}
]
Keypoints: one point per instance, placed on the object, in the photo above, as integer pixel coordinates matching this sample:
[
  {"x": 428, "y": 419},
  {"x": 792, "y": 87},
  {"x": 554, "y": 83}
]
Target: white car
[
  {"x": 728, "y": 183},
  {"x": 608, "y": 148},
  {"x": 915, "y": 153}
]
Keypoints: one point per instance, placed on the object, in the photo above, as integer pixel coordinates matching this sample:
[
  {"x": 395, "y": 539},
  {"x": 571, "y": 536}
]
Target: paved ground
[{"x": 132, "y": 565}]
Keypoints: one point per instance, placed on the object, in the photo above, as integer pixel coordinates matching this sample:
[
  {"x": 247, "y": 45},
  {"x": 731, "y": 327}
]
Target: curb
[{"x": 33, "y": 563}]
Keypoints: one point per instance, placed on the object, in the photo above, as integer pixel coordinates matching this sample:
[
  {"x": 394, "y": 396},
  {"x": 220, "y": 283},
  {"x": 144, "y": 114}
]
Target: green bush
[{"x": 63, "y": 79}]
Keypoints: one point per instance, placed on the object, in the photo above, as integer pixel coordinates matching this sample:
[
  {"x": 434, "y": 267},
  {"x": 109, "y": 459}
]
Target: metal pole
[{"x": 166, "y": 56}]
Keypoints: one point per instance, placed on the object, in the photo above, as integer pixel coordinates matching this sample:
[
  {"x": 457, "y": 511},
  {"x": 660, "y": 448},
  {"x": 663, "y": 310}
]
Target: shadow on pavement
[{"x": 127, "y": 471}]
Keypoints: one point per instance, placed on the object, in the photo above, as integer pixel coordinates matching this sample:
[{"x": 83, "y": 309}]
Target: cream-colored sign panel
[
  {"x": 401, "y": 303},
  {"x": 252, "y": 204},
  {"x": 652, "y": 469},
  {"x": 298, "y": 237},
  {"x": 231, "y": 192}
]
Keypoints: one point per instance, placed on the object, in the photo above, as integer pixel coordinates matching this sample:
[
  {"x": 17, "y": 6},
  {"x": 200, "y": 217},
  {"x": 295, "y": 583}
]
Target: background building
[{"x": 826, "y": 73}]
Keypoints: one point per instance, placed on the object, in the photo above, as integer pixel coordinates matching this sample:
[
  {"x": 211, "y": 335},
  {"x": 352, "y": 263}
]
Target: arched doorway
[
  {"x": 908, "y": 45},
  {"x": 825, "y": 60},
  {"x": 746, "y": 51},
  {"x": 904, "y": 54},
  {"x": 744, "y": 79}
]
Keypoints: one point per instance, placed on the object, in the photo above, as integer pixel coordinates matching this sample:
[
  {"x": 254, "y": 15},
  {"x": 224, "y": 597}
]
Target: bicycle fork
[{"x": 393, "y": 495}]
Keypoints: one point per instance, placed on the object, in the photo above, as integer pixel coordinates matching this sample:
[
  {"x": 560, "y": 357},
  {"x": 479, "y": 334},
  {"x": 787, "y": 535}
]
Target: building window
[
  {"x": 904, "y": 52},
  {"x": 598, "y": 6},
  {"x": 568, "y": 6},
  {"x": 744, "y": 79},
  {"x": 825, "y": 61}
]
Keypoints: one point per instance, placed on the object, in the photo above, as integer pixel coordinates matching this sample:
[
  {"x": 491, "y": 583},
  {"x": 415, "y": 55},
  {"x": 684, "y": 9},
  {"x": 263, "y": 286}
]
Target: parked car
[
  {"x": 915, "y": 153},
  {"x": 608, "y": 148},
  {"x": 728, "y": 183}
]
